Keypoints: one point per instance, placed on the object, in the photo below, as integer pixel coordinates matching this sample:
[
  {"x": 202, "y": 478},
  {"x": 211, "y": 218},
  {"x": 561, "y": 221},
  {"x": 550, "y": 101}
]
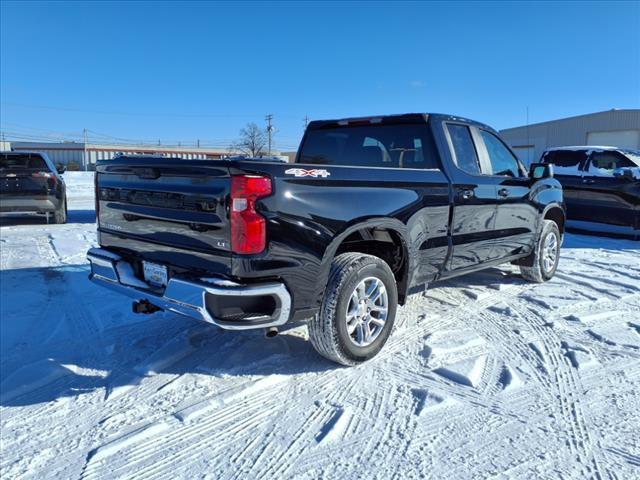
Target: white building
[
  {"x": 614, "y": 128},
  {"x": 88, "y": 153}
]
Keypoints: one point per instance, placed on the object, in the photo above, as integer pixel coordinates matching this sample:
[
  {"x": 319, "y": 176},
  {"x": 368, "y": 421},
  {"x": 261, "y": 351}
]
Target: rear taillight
[
  {"x": 248, "y": 227},
  {"x": 42, "y": 175},
  {"x": 49, "y": 177}
]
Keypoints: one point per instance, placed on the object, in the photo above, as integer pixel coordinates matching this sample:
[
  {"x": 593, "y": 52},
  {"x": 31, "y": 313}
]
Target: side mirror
[
  {"x": 625, "y": 173},
  {"x": 538, "y": 171},
  {"x": 61, "y": 169}
]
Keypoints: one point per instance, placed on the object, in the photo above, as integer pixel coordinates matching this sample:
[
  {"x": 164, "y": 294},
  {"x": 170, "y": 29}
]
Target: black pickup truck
[{"x": 372, "y": 210}]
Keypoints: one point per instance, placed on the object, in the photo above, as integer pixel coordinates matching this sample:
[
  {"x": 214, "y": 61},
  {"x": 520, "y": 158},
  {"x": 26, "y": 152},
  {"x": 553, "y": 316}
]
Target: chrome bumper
[{"x": 187, "y": 297}]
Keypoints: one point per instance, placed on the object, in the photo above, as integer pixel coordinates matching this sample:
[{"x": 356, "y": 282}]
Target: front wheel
[
  {"x": 358, "y": 309},
  {"x": 545, "y": 256}
]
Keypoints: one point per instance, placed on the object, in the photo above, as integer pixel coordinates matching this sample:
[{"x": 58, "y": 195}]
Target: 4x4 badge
[{"x": 301, "y": 172}]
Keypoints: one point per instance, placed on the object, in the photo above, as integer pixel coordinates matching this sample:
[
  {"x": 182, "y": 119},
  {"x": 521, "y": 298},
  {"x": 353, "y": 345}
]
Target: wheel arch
[
  {"x": 556, "y": 213},
  {"x": 385, "y": 238}
]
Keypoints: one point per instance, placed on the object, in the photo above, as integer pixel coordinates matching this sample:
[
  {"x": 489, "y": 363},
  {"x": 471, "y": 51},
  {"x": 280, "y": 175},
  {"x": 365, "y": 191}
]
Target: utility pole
[
  {"x": 269, "y": 129},
  {"x": 306, "y": 121},
  {"x": 84, "y": 151}
]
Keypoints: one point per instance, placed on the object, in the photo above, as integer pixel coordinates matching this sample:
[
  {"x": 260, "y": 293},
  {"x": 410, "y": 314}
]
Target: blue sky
[{"x": 187, "y": 71}]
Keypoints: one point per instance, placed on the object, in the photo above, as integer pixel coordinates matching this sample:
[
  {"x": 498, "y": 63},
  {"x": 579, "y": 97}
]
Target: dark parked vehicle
[
  {"x": 29, "y": 183},
  {"x": 601, "y": 187},
  {"x": 373, "y": 210}
]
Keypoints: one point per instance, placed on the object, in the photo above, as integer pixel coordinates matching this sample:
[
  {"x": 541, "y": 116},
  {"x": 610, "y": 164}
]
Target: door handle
[
  {"x": 588, "y": 181},
  {"x": 466, "y": 194},
  {"x": 503, "y": 192}
]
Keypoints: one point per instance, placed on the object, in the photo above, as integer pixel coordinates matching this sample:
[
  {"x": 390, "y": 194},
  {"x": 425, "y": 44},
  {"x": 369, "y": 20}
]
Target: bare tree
[{"x": 252, "y": 141}]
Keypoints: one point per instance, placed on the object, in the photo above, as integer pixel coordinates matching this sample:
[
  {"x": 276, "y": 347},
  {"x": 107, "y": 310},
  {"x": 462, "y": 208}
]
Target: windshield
[
  {"x": 22, "y": 162},
  {"x": 394, "y": 146}
]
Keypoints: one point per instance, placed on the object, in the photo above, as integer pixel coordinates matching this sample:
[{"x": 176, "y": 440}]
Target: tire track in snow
[
  {"x": 307, "y": 432},
  {"x": 192, "y": 437},
  {"x": 567, "y": 385},
  {"x": 46, "y": 251}
]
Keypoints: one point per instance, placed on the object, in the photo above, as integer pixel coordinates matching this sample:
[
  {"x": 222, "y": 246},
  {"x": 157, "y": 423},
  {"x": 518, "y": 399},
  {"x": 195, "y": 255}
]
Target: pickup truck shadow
[
  {"x": 61, "y": 336},
  {"x": 73, "y": 216}
]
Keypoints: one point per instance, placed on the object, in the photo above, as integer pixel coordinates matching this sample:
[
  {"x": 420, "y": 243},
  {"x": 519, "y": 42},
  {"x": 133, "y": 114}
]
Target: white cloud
[{"x": 417, "y": 84}]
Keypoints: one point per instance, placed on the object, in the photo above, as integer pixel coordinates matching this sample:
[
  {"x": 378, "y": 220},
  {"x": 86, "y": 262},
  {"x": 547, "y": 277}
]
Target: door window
[
  {"x": 503, "y": 162},
  {"x": 604, "y": 163},
  {"x": 566, "y": 162},
  {"x": 465, "y": 156}
]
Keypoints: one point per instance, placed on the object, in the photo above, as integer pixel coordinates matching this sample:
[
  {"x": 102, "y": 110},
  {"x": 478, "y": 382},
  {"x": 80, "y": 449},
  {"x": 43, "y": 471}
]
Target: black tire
[
  {"x": 538, "y": 272},
  {"x": 328, "y": 329},
  {"x": 60, "y": 215}
]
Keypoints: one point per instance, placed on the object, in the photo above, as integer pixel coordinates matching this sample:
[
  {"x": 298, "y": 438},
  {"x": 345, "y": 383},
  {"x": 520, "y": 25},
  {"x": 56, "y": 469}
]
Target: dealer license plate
[{"x": 155, "y": 274}]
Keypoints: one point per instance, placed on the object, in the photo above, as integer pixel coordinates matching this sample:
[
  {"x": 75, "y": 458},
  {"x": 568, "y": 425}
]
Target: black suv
[
  {"x": 29, "y": 183},
  {"x": 601, "y": 187}
]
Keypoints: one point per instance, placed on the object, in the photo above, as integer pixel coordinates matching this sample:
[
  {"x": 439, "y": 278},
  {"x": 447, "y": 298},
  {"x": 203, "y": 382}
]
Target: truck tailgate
[{"x": 170, "y": 211}]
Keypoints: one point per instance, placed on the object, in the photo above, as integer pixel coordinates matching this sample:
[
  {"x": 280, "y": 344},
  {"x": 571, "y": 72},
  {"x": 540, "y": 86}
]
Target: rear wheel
[
  {"x": 545, "y": 256},
  {"x": 60, "y": 215},
  {"x": 358, "y": 309}
]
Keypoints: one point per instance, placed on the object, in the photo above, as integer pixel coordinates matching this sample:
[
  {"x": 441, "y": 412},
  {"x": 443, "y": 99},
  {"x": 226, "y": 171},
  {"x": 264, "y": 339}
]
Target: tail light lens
[
  {"x": 49, "y": 177},
  {"x": 248, "y": 227}
]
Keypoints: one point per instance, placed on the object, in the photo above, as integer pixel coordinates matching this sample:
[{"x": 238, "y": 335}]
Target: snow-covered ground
[{"x": 487, "y": 376}]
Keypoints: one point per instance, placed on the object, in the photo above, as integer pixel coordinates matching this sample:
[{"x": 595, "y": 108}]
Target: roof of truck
[
  {"x": 396, "y": 118},
  {"x": 584, "y": 147}
]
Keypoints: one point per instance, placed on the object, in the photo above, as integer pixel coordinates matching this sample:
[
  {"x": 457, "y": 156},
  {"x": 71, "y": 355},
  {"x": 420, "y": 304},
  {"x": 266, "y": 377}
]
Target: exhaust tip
[{"x": 271, "y": 332}]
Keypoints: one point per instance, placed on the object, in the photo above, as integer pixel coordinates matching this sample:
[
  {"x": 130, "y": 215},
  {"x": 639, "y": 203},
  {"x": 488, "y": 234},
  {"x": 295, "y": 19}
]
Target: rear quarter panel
[{"x": 308, "y": 217}]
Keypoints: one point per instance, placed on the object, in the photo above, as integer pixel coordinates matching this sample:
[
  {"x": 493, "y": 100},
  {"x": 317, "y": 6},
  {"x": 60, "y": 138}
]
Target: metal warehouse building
[
  {"x": 615, "y": 128},
  {"x": 89, "y": 153}
]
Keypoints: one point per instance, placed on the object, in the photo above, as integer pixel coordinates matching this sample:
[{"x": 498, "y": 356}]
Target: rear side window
[
  {"x": 392, "y": 146},
  {"x": 23, "y": 162},
  {"x": 566, "y": 161},
  {"x": 466, "y": 157}
]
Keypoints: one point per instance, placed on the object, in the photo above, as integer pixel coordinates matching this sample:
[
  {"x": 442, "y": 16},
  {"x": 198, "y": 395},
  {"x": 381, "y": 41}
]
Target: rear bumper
[
  {"x": 22, "y": 203},
  {"x": 191, "y": 298}
]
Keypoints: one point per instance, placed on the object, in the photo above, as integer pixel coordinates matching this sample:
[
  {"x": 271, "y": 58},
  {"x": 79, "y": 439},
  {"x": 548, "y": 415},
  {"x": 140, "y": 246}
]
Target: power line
[
  {"x": 14, "y": 136},
  {"x": 136, "y": 114}
]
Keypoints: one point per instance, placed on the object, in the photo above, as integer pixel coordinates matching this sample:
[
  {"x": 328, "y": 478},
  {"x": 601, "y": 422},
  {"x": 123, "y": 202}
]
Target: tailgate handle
[{"x": 147, "y": 172}]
